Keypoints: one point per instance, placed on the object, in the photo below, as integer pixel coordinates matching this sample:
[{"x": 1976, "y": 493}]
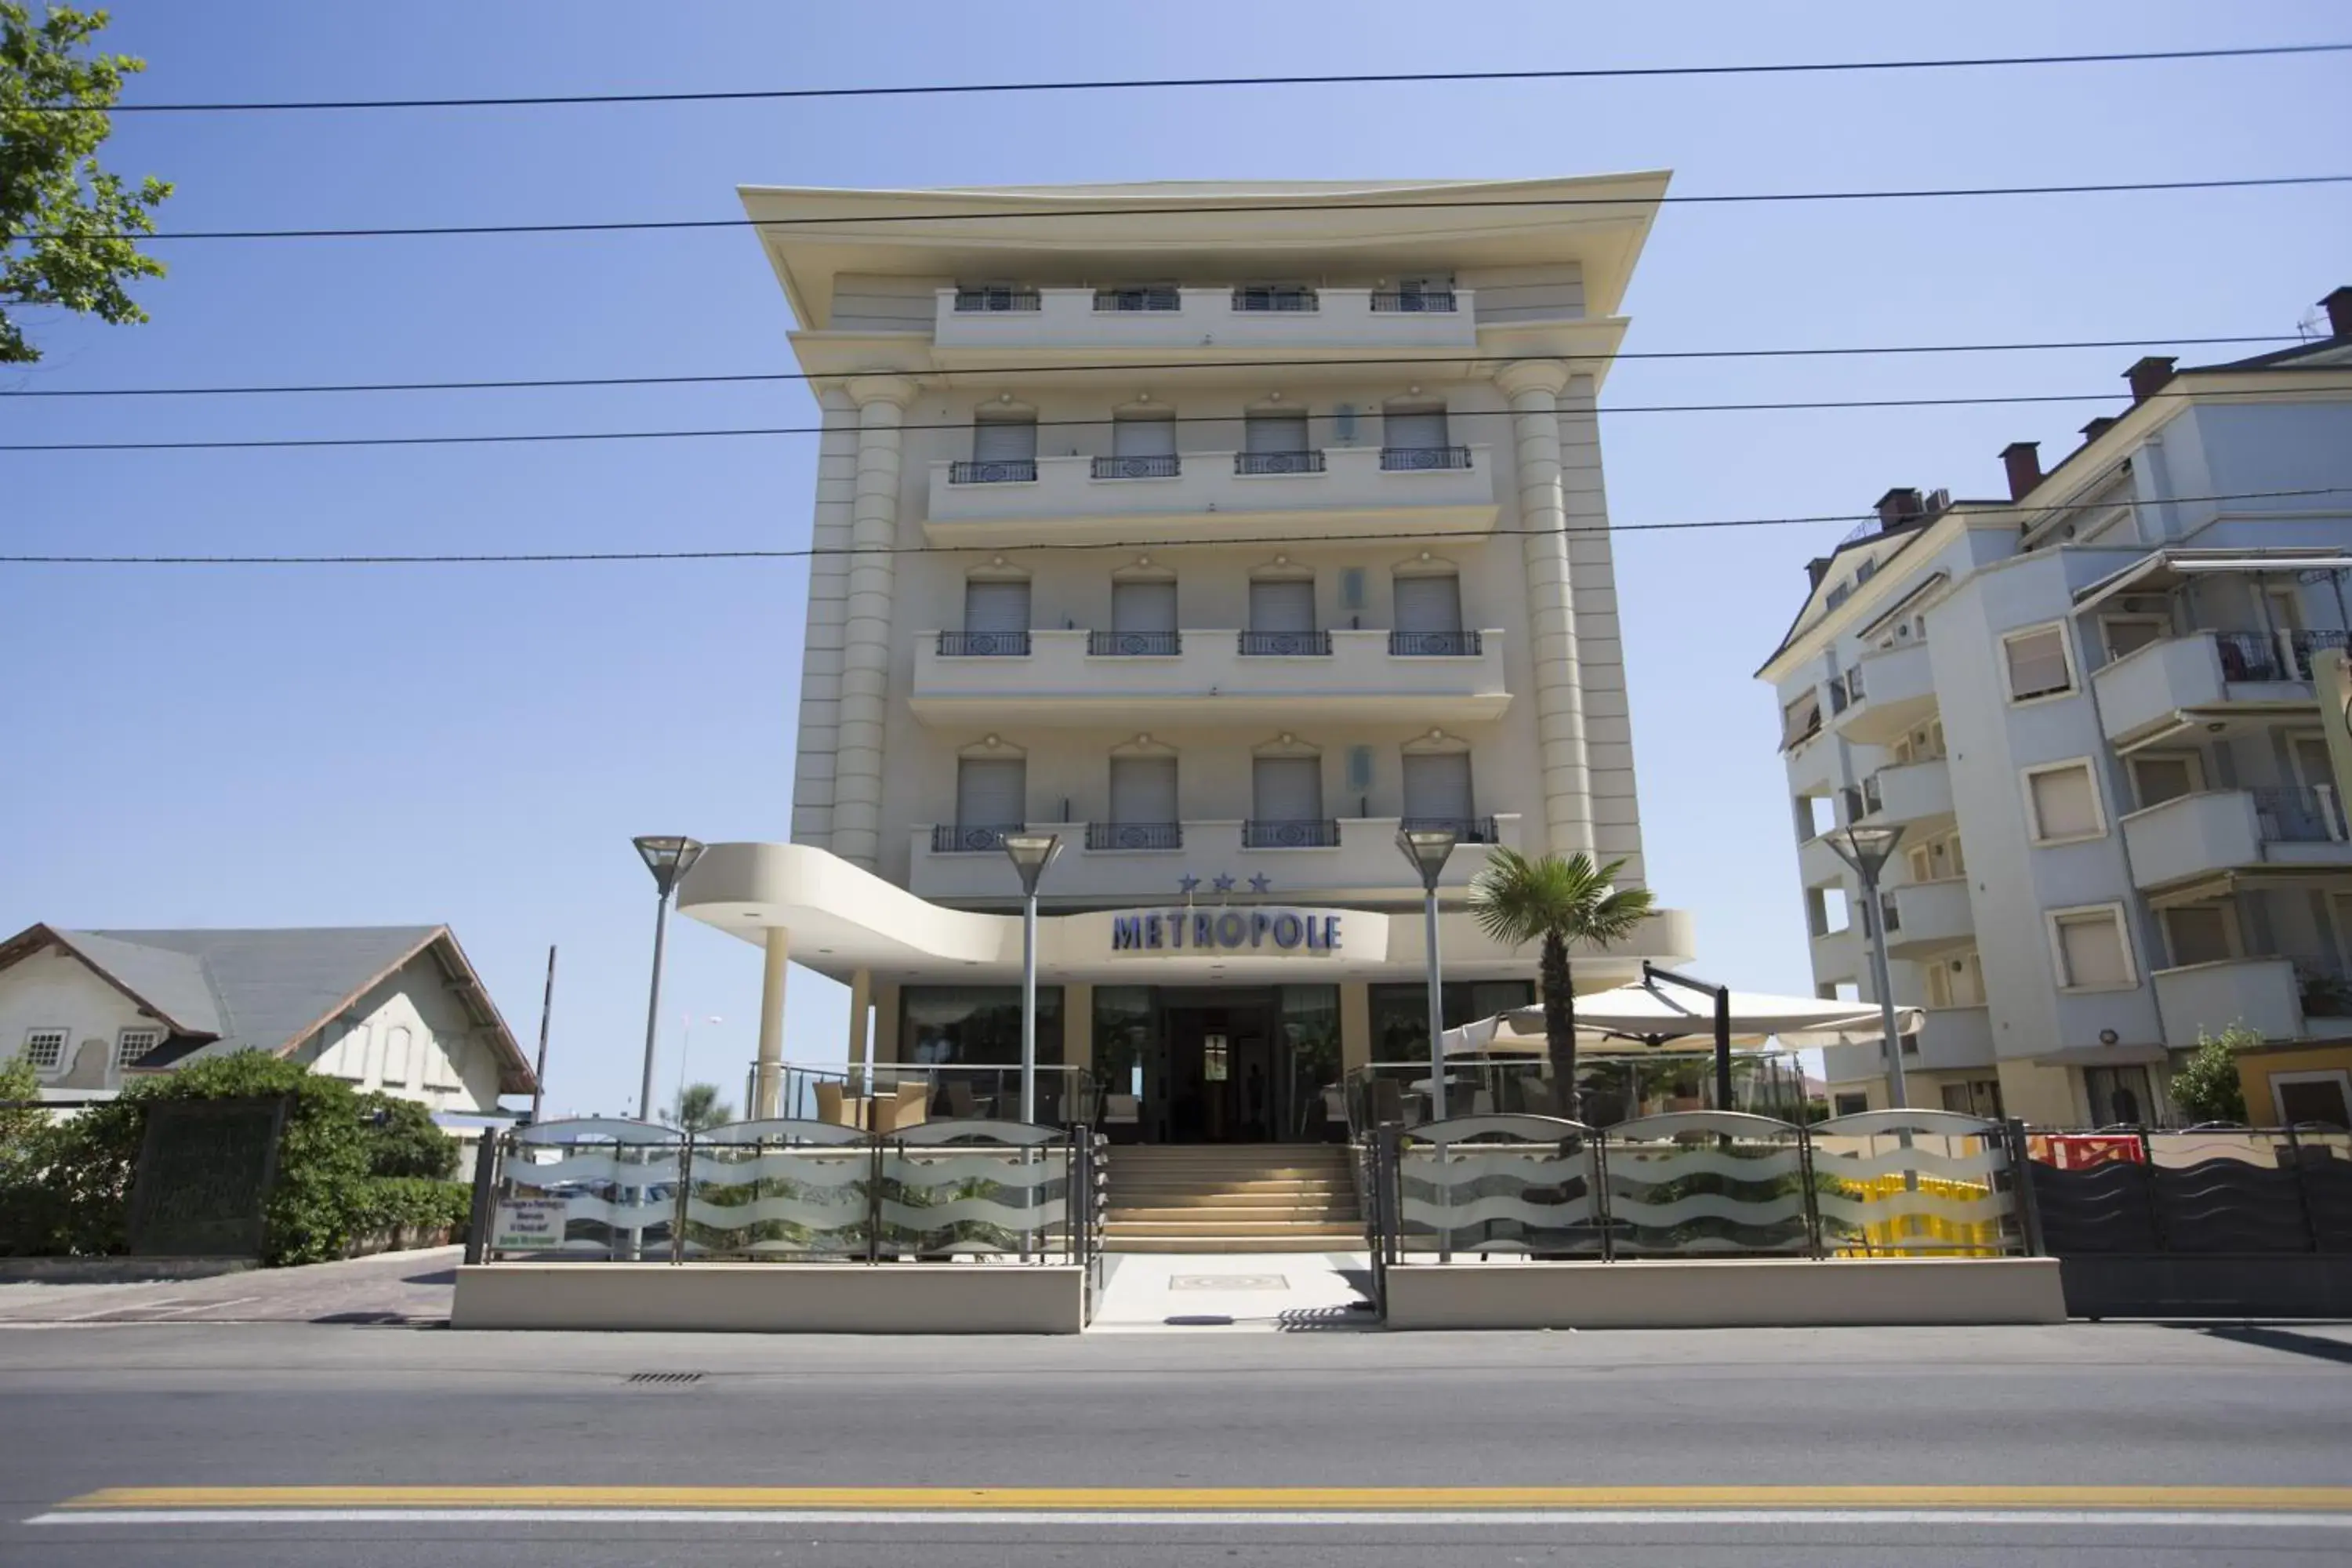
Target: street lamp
[
  {"x": 1030, "y": 853},
  {"x": 1428, "y": 848},
  {"x": 668, "y": 857},
  {"x": 1868, "y": 849}
]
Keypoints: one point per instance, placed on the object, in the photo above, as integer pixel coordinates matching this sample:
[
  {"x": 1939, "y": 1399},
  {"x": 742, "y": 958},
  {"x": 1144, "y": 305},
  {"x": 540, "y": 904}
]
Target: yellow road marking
[{"x": 1245, "y": 1499}]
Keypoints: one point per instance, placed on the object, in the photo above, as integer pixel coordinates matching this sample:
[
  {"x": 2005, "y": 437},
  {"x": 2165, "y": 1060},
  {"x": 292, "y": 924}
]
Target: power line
[
  {"x": 811, "y": 552},
  {"x": 520, "y": 383},
  {"x": 1353, "y": 79},
  {"x": 866, "y": 220},
  {"x": 501, "y": 439}
]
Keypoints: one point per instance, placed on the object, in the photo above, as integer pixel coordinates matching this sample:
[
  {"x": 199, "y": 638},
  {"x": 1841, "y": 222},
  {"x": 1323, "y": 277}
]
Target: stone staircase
[{"x": 1233, "y": 1197}]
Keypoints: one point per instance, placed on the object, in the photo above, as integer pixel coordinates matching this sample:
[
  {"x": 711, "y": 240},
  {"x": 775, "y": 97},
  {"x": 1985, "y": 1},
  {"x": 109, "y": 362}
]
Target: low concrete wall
[
  {"x": 1745, "y": 1293},
  {"x": 774, "y": 1297}
]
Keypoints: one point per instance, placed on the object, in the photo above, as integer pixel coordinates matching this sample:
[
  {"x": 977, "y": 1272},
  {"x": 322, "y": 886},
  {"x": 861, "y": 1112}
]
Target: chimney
[
  {"x": 1815, "y": 570},
  {"x": 2097, "y": 428},
  {"x": 1899, "y": 506},
  {"x": 2338, "y": 307},
  {"x": 2024, "y": 461},
  {"x": 2148, "y": 376}
]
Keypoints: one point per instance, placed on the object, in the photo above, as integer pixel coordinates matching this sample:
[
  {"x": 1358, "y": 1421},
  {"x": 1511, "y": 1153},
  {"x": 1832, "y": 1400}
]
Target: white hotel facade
[{"x": 1218, "y": 530}]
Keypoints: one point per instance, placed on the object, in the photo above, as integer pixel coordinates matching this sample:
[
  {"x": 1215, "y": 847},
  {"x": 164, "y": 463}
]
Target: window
[
  {"x": 2198, "y": 933},
  {"x": 976, "y": 1023},
  {"x": 2129, "y": 634},
  {"x": 1400, "y": 1013},
  {"x": 2065, "y": 801},
  {"x": 1852, "y": 1104},
  {"x": 2038, "y": 666},
  {"x": 2157, "y": 777},
  {"x": 1281, "y": 605},
  {"x": 1143, "y": 790},
  {"x": 1143, "y": 446},
  {"x": 998, "y": 439},
  {"x": 995, "y": 618},
  {"x": 1286, "y": 789},
  {"x": 46, "y": 1049},
  {"x": 992, "y": 794},
  {"x": 1956, "y": 982},
  {"x": 395, "y": 1058},
  {"x": 2091, "y": 952},
  {"x": 2308, "y": 1096},
  {"x": 132, "y": 1046},
  {"x": 1437, "y": 791},
  {"x": 1800, "y": 720},
  {"x": 1276, "y": 442}
]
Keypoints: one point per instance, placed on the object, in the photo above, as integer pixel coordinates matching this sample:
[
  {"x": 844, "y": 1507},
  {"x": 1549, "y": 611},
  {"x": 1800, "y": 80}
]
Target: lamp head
[
  {"x": 1865, "y": 849},
  {"x": 1031, "y": 853},
  {"x": 1427, "y": 849},
  {"x": 668, "y": 856}
]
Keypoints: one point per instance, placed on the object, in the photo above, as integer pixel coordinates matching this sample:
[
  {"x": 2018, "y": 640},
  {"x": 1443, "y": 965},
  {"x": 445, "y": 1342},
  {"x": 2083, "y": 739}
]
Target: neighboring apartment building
[
  {"x": 1219, "y": 529},
  {"x": 2092, "y": 708},
  {"x": 392, "y": 1008}
]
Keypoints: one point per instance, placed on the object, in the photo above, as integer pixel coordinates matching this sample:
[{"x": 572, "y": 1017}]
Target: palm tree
[
  {"x": 700, "y": 1109},
  {"x": 1517, "y": 900}
]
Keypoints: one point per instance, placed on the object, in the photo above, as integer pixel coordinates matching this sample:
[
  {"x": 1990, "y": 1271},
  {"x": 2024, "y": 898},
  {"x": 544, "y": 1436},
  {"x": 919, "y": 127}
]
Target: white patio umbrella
[{"x": 1651, "y": 1014}]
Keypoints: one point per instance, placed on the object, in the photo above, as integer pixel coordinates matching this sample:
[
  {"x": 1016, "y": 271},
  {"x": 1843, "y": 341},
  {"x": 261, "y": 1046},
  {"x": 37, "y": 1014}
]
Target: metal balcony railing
[
  {"x": 1418, "y": 459},
  {"x": 1135, "y": 836},
  {"x": 1134, "y": 645},
  {"x": 2294, "y": 815},
  {"x": 1435, "y": 301},
  {"x": 1435, "y": 645},
  {"x": 1117, "y": 299},
  {"x": 1165, "y": 467},
  {"x": 971, "y": 838},
  {"x": 1466, "y": 829},
  {"x": 1277, "y": 835},
  {"x": 1276, "y": 299},
  {"x": 1008, "y": 471},
  {"x": 983, "y": 645},
  {"x": 1277, "y": 462},
  {"x": 986, "y": 300},
  {"x": 1285, "y": 645}
]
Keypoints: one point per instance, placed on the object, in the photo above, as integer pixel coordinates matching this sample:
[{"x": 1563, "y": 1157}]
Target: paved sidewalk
[
  {"x": 389, "y": 1288},
  {"x": 1270, "y": 1292}
]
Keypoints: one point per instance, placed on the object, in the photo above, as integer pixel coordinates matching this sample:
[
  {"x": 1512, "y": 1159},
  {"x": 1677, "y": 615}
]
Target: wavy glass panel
[
  {"x": 1925, "y": 1184},
  {"x": 1498, "y": 1184},
  {"x": 1705, "y": 1182}
]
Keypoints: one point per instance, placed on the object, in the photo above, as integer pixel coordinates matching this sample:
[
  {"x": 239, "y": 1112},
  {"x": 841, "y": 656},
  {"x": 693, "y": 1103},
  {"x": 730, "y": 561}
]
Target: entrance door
[{"x": 1223, "y": 1067}]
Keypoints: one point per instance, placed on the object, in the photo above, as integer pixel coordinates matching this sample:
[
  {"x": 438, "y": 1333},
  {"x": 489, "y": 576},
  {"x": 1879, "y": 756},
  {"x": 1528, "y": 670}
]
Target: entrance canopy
[{"x": 1652, "y": 1014}]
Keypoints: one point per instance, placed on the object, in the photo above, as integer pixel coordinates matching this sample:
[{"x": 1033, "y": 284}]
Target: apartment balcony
[
  {"x": 1839, "y": 955},
  {"x": 1953, "y": 1040},
  {"x": 2278, "y": 997},
  {"x": 2215, "y": 833},
  {"x": 1927, "y": 920},
  {"x": 1910, "y": 794},
  {"x": 1046, "y": 326},
  {"x": 1884, "y": 695},
  {"x": 1208, "y": 496},
  {"x": 1166, "y": 680},
  {"x": 2229, "y": 678},
  {"x": 1146, "y": 863}
]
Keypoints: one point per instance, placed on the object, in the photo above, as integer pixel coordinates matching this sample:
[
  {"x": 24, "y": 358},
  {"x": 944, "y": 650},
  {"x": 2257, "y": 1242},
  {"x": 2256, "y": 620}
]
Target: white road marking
[
  {"x": 2118, "y": 1518},
  {"x": 196, "y": 1306},
  {"x": 119, "y": 1306}
]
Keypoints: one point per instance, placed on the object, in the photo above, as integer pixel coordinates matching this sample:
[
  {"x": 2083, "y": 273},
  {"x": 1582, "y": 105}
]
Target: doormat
[{"x": 1227, "y": 1283}]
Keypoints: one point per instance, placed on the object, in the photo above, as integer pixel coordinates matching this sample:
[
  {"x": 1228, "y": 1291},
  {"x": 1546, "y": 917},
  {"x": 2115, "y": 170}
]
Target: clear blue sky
[{"x": 337, "y": 745}]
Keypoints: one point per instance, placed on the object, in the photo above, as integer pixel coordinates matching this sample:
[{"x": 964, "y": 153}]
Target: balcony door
[
  {"x": 1145, "y": 609},
  {"x": 1273, "y": 433},
  {"x": 991, "y": 792},
  {"x": 1415, "y": 430},
  {"x": 1143, "y": 436},
  {"x": 1281, "y": 605},
  {"x": 1143, "y": 790},
  {"x": 1286, "y": 789},
  {"x": 1005, "y": 440},
  {"x": 1428, "y": 614},
  {"x": 1437, "y": 789},
  {"x": 996, "y": 616}
]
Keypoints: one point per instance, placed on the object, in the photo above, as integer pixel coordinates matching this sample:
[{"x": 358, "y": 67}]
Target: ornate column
[
  {"x": 1534, "y": 387},
  {"x": 866, "y": 632},
  {"x": 778, "y": 951}
]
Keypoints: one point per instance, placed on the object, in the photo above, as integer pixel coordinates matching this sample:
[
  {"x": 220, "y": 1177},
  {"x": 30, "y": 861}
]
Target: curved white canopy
[{"x": 1654, "y": 1014}]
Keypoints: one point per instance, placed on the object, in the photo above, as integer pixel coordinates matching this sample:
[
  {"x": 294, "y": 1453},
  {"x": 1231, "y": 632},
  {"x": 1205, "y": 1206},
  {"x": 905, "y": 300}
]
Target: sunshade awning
[
  {"x": 2168, "y": 568},
  {"x": 1652, "y": 1014}
]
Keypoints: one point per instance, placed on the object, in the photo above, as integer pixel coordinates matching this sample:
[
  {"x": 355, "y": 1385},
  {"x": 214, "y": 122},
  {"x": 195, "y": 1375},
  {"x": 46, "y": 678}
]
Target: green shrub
[
  {"x": 415, "y": 1204},
  {"x": 2207, "y": 1087},
  {"x": 405, "y": 1142}
]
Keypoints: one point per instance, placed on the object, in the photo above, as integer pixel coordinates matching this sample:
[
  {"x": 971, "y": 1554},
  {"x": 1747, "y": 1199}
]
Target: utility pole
[{"x": 546, "y": 1009}]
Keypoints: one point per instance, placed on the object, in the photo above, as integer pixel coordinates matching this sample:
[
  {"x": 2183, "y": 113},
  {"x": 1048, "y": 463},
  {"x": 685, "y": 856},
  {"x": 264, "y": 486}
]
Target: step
[
  {"x": 1211, "y": 1216},
  {"x": 1352, "y": 1241},
  {"x": 1301, "y": 1228},
  {"x": 1301, "y": 1195},
  {"x": 1174, "y": 1173}
]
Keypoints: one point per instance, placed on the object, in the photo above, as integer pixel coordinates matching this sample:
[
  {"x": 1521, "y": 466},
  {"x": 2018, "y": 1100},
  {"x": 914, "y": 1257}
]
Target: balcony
[
  {"x": 2263, "y": 994},
  {"x": 1260, "y": 833},
  {"x": 1206, "y": 496},
  {"x": 1909, "y": 793},
  {"x": 1953, "y": 1040},
  {"x": 1360, "y": 861},
  {"x": 2207, "y": 677},
  {"x": 1926, "y": 920},
  {"x": 969, "y": 838},
  {"x": 1176, "y": 679},
  {"x": 1886, "y": 693},
  {"x": 1081, "y": 325},
  {"x": 2193, "y": 838}
]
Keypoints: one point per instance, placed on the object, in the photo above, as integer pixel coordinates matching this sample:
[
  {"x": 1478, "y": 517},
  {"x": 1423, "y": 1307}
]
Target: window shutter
[
  {"x": 995, "y": 608},
  {"x": 1143, "y": 789},
  {"x": 992, "y": 792},
  {"x": 2037, "y": 664},
  {"x": 1429, "y": 604},
  {"x": 1413, "y": 429},
  {"x": 1152, "y": 436},
  {"x": 1437, "y": 786},
  {"x": 1005, "y": 440},
  {"x": 1288, "y": 789},
  {"x": 2093, "y": 950},
  {"x": 2065, "y": 803},
  {"x": 1281, "y": 605},
  {"x": 1276, "y": 432},
  {"x": 1143, "y": 607}
]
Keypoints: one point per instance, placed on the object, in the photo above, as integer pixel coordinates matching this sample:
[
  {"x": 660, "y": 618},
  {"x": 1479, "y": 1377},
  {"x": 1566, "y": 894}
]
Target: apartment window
[
  {"x": 2065, "y": 801},
  {"x": 1274, "y": 441},
  {"x": 132, "y": 1046},
  {"x": 1142, "y": 804},
  {"x": 1143, "y": 446},
  {"x": 1800, "y": 720},
  {"x": 1937, "y": 858},
  {"x": 995, "y": 619},
  {"x": 1139, "y": 297},
  {"x": 1437, "y": 793},
  {"x": 1282, "y": 618},
  {"x": 1274, "y": 296},
  {"x": 2037, "y": 664},
  {"x": 45, "y": 1049},
  {"x": 1142, "y": 619},
  {"x": 1003, "y": 451},
  {"x": 2157, "y": 777},
  {"x": 1852, "y": 1104},
  {"x": 2090, "y": 950},
  {"x": 2200, "y": 933},
  {"x": 1286, "y": 804},
  {"x": 1429, "y": 615},
  {"x": 992, "y": 800},
  {"x": 2129, "y": 634}
]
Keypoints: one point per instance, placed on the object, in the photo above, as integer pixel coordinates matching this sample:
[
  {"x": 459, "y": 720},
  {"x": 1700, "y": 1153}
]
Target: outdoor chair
[
  {"x": 960, "y": 1107},
  {"x": 834, "y": 1105},
  {"x": 910, "y": 1107}
]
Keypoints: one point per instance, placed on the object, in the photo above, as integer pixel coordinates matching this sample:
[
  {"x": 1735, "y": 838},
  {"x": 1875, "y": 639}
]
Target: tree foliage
[
  {"x": 1518, "y": 899},
  {"x": 66, "y": 224},
  {"x": 404, "y": 1141},
  {"x": 700, "y": 1109},
  {"x": 2207, "y": 1087}
]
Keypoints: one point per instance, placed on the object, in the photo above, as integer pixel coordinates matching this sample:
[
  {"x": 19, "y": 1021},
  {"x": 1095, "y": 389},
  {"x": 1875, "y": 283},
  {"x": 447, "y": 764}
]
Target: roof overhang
[{"x": 2162, "y": 571}]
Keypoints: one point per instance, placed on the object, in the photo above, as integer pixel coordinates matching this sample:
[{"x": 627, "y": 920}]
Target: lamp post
[
  {"x": 1867, "y": 850},
  {"x": 1428, "y": 848},
  {"x": 1030, "y": 853},
  {"x": 668, "y": 856}
]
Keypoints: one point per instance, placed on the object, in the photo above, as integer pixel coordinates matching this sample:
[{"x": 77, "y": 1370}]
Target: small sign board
[{"x": 529, "y": 1224}]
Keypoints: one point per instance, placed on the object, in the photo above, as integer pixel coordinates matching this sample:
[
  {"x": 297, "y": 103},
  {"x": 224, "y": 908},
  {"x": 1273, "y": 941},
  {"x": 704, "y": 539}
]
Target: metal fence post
[
  {"x": 1812, "y": 1196},
  {"x": 873, "y": 1203},
  {"x": 2027, "y": 1201},
  {"x": 1600, "y": 1214},
  {"x": 2155, "y": 1198},
  {"x": 678, "y": 1210},
  {"x": 2301, "y": 1192},
  {"x": 486, "y": 1183}
]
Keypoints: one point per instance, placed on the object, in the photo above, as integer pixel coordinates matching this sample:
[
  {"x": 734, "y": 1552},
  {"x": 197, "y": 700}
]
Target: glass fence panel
[
  {"x": 1707, "y": 1181},
  {"x": 945, "y": 1199},
  {"x": 779, "y": 1199},
  {"x": 1917, "y": 1182},
  {"x": 1498, "y": 1184},
  {"x": 599, "y": 1190}
]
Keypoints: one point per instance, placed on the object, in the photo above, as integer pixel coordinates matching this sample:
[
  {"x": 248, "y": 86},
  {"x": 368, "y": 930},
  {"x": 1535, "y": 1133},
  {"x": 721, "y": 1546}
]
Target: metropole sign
[{"x": 1265, "y": 931}]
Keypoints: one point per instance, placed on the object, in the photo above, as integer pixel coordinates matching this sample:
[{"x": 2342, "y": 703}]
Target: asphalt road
[{"x": 195, "y": 1408}]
